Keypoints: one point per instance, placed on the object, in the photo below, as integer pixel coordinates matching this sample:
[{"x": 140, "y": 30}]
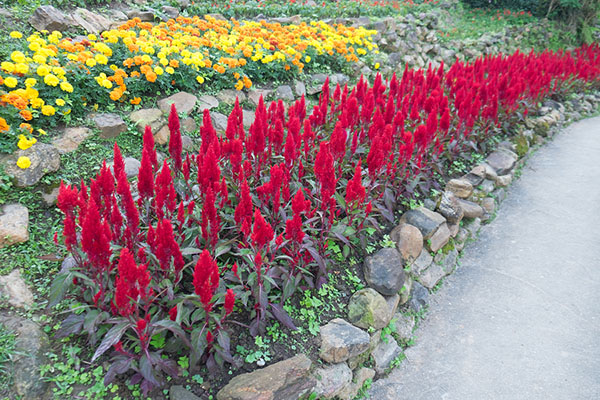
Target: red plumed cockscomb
[
  {"x": 206, "y": 279},
  {"x": 229, "y": 301},
  {"x": 262, "y": 233},
  {"x": 355, "y": 191},
  {"x": 175, "y": 144}
]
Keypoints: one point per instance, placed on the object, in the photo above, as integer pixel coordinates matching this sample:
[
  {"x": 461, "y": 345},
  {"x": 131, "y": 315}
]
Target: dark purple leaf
[
  {"x": 223, "y": 340},
  {"x": 116, "y": 368},
  {"x": 136, "y": 378},
  {"x": 317, "y": 257},
  {"x": 342, "y": 238},
  {"x": 212, "y": 365},
  {"x": 72, "y": 324},
  {"x": 111, "y": 338},
  {"x": 173, "y": 327},
  {"x": 198, "y": 342},
  {"x": 60, "y": 286},
  {"x": 283, "y": 316},
  {"x": 170, "y": 367},
  {"x": 147, "y": 370}
]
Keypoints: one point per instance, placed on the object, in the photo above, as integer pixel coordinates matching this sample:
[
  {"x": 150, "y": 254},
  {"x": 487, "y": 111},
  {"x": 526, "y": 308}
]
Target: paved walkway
[{"x": 520, "y": 318}]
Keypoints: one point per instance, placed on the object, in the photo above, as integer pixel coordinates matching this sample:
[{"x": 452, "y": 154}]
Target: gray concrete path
[{"x": 520, "y": 318}]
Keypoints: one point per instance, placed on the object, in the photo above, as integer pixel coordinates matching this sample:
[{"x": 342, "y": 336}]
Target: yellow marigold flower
[
  {"x": 90, "y": 62},
  {"x": 37, "y": 103},
  {"x": 200, "y": 79},
  {"x": 48, "y": 110},
  {"x": 42, "y": 70},
  {"x": 164, "y": 61},
  {"x": 23, "y": 162},
  {"x": 11, "y": 82},
  {"x": 66, "y": 87},
  {"x": 159, "y": 71},
  {"x": 40, "y": 59},
  {"x": 42, "y": 132},
  {"x": 101, "y": 59},
  {"x": 239, "y": 85},
  {"x": 51, "y": 80},
  {"x": 58, "y": 71},
  {"x": 169, "y": 70},
  {"x": 60, "y": 102},
  {"x": 30, "y": 82},
  {"x": 25, "y": 143},
  {"x": 31, "y": 93},
  {"x": 307, "y": 59},
  {"x": 67, "y": 111},
  {"x": 7, "y": 67},
  {"x": 377, "y": 65},
  {"x": 22, "y": 68},
  {"x": 18, "y": 57},
  {"x": 92, "y": 37},
  {"x": 34, "y": 46},
  {"x": 16, "y": 35},
  {"x": 106, "y": 84}
]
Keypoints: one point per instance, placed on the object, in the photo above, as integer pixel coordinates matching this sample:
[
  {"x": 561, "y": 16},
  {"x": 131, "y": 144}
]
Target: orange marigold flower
[
  {"x": 116, "y": 94},
  {"x": 26, "y": 127},
  {"x": 26, "y": 115},
  {"x": 3, "y": 125},
  {"x": 136, "y": 100},
  {"x": 151, "y": 77}
]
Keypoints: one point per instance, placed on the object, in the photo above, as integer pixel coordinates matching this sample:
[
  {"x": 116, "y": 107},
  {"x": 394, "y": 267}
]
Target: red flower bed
[{"x": 247, "y": 220}]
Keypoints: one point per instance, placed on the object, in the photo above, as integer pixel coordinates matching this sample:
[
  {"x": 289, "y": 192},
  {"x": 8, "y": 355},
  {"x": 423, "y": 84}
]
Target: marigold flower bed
[
  {"x": 49, "y": 76},
  {"x": 249, "y": 220}
]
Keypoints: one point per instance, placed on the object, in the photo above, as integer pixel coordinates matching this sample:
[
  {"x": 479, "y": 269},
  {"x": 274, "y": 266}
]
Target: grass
[{"x": 7, "y": 352}]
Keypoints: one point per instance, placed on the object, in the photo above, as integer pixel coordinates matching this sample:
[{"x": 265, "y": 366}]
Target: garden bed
[{"x": 241, "y": 250}]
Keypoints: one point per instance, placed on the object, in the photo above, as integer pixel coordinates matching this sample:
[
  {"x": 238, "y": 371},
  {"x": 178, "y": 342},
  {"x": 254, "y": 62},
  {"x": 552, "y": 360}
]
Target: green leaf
[{"x": 190, "y": 251}]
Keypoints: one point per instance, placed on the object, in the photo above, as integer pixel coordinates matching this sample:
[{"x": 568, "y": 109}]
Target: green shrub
[{"x": 580, "y": 16}]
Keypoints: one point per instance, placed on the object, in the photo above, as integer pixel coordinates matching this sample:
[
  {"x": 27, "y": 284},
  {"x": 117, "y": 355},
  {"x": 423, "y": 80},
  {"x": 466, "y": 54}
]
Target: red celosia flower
[
  {"x": 146, "y": 176},
  {"x": 299, "y": 204},
  {"x": 175, "y": 143},
  {"x": 206, "y": 279},
  {"x": 118, "y": 163},
  {"x": 165, "y": 191},
  {"x": 95, "y": 237},
  {"x": 122, "y": 299},
  {"x": 141, "y": 325},
  {"x": 325, "y": 172},
  {"x": 229, "y": 301},
  {"x": 262, "y": 233},
  {"x": 173, "y": 313},
  {"x": 131, "y": 211},
  {"x": 355, "y": 192},
  {"x": 293, "y": 229},
  {"x": 149, "y": 146},
  {"x": 243, "y": 211},
  {"x": 166, "y": 247},
  {"x": 338, "y": 141}
]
